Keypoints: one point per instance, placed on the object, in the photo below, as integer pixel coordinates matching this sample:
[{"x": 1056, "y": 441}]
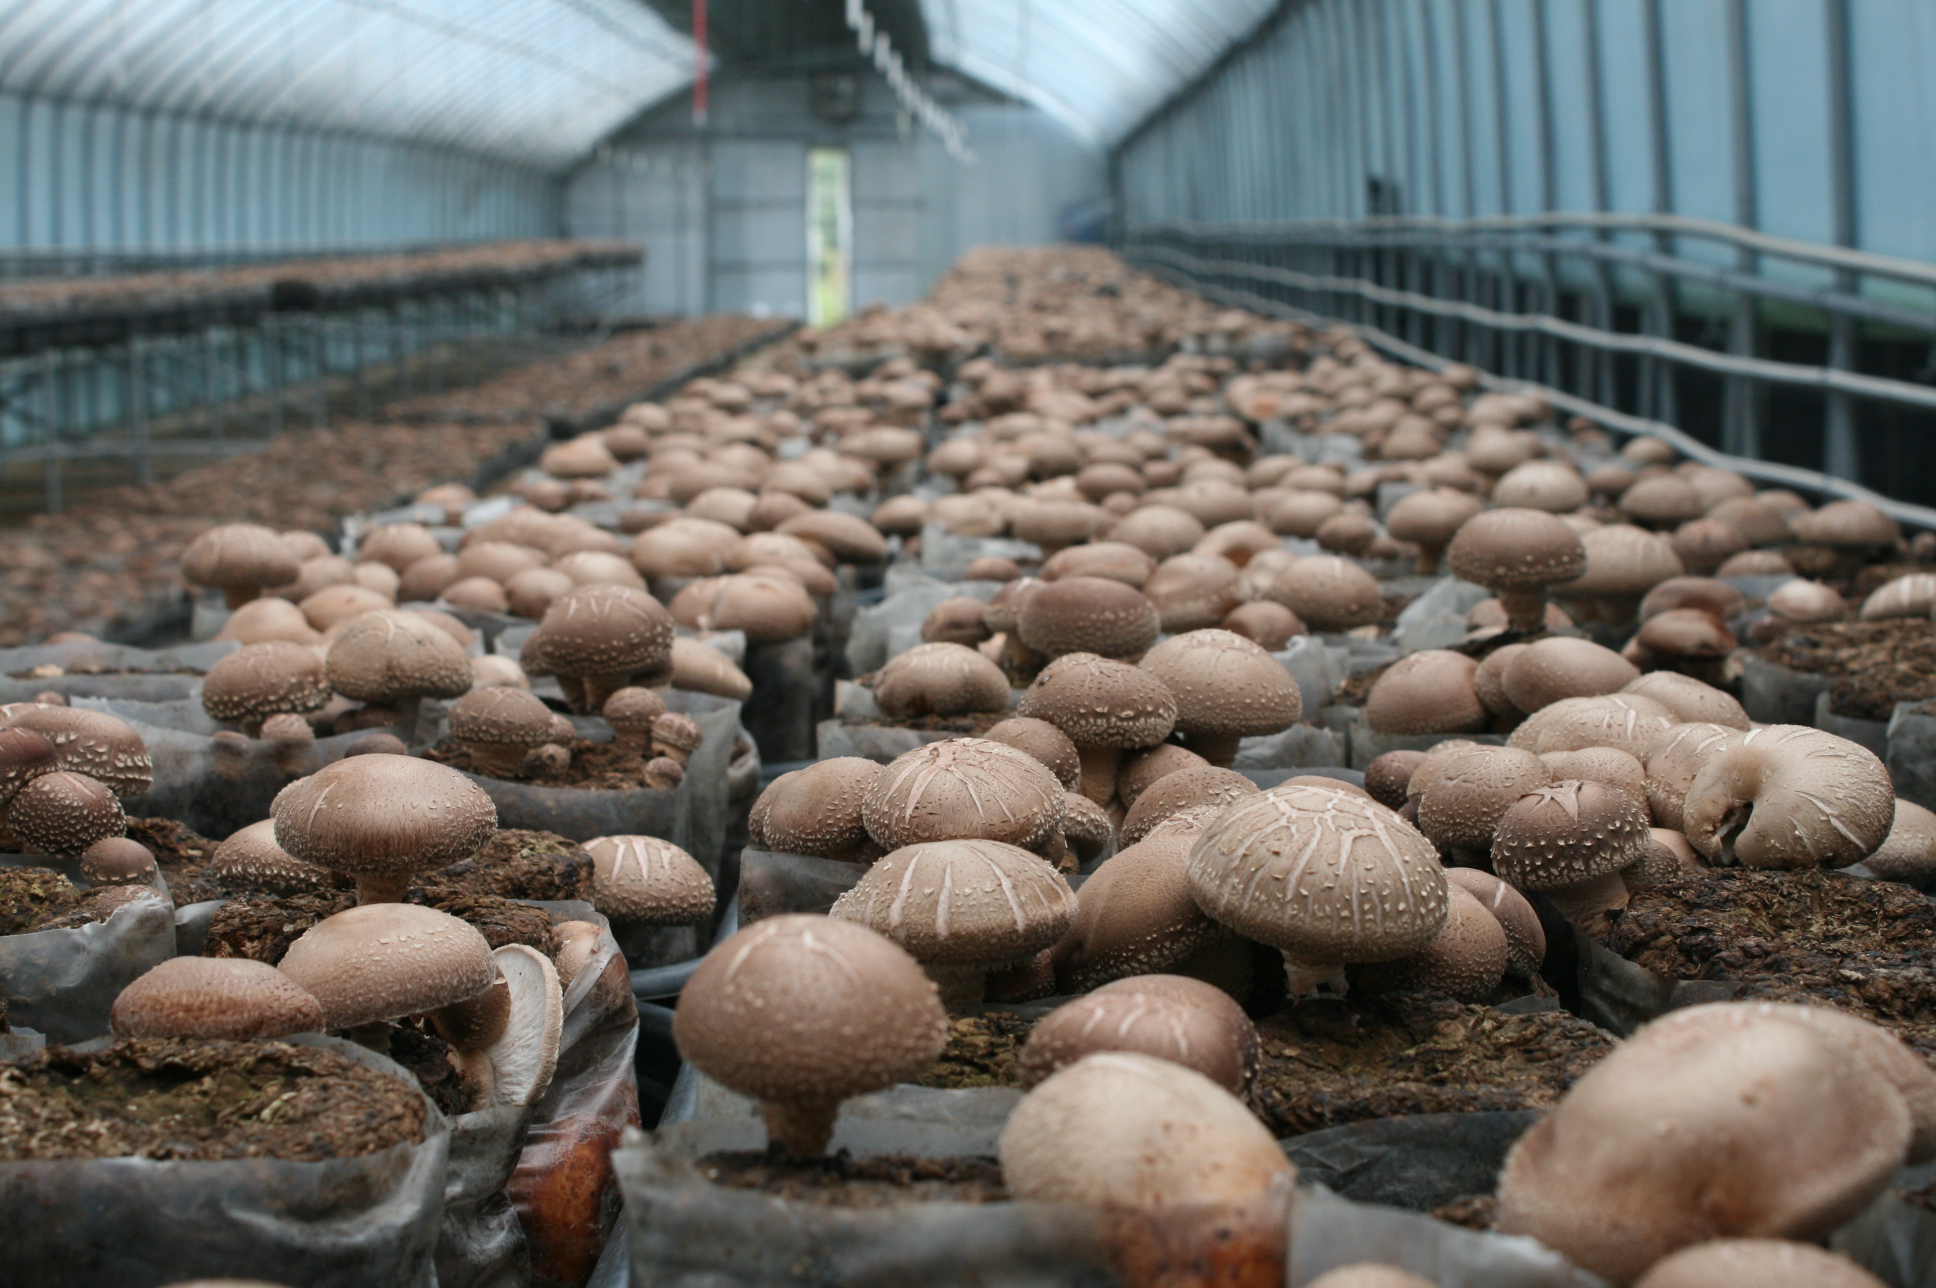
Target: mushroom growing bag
[
  {"x": 64, "y": 982},
  {"x": 135, "y": 1222}
]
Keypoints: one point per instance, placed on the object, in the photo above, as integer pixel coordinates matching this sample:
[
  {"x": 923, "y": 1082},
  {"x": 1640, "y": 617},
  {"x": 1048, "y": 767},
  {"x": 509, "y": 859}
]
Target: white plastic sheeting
[
  {"x": 532, "y": 81},
  {"x": 1100, "y": 65}
]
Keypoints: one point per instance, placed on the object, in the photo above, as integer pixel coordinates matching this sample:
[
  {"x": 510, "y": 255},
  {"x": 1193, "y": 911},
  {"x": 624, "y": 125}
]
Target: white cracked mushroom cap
[
  {"x": 104, "y": 747},
  {"x": 1567, "y": 833},
  {"x": 1732, "y": 1123},
  {"x": 1787, "y": 796},
  {"x": 1673, "y": 759},
  {"x": 252, "y": 859},
  {"x": 1226, "y": 688},
  {"x": 383, "y": 961},
  {"x": 1172, "y": 1017},
  {"x": 517, "y": 1066},
  {"x": 388, "y": 656},
  {"x": 801, "y": 1012},
  {"x": 214, "y": 997},
  {"x": 959, "y": 789},
  {"x": 1324, "y": 875},
  {"x": 970, "y": 904},
  {"x": 649, "y": 881},
  {"x": 1690, "y": 699},
  {"x": 1627, "y": 721},
  {"x": 1125, "y": 1130}
]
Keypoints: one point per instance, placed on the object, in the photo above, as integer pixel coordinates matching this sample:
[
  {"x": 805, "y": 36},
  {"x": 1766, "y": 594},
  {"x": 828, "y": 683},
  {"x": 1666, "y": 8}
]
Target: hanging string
[{"x": 874, "y": 43}]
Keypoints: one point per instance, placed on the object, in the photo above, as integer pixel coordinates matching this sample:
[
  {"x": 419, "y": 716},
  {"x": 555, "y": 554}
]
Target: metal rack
[{"x": 222, "y": 369}]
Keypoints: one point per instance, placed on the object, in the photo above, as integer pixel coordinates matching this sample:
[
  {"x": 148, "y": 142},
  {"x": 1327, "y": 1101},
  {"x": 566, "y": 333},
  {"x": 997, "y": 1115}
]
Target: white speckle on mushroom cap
[
  {"x": 962, "y": 788},
  {"x": 806, "y": 1011},
  {"x": 1186, "y": 788},
  {"x": 1087, "y": 615},
  {"x": 383, "y": 961},
  {"x": 1124, "y": 1130},
  {"x": 501, "y": 723},
  {"x": 1672, "y": 760},
  {"x": 940, "y": 679},
  {"x": 649, "y": 881},
  {"x": 1225, "y": 686},
  {"x": 606, "y": 630},
  {"x": 232, "y": 998},
  {"x": 817, "y": 810},
  {"x": 260, "y": 680},
  {"x": 64, "y": 813},
  {"x": 1568, "y": 833},
  {"x": 1323, "y": 875},
  {"x": 1466, "y": 959},
  {"x": 1627, "y": 721},
  {"x": 388, "y": 656}
]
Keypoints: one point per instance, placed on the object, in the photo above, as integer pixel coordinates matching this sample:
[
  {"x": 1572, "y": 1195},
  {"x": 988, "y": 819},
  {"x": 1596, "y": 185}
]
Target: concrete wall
[{"x": 722, "y": 212}]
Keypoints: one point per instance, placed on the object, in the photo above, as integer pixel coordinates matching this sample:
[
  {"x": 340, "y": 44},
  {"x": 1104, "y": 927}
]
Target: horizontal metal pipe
[
  {"x": 1768, "y": 472},
  {"x": 1764, "y": 369},
  {"x": 1855, "y": 261}
]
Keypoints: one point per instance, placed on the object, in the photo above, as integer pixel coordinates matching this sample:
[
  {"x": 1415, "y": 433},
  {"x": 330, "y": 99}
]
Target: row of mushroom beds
[{"x": 1132, "y": 568}]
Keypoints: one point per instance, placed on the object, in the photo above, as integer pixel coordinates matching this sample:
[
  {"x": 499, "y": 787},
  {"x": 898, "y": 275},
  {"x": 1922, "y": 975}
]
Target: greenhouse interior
[{"x": 660, "y": 508}]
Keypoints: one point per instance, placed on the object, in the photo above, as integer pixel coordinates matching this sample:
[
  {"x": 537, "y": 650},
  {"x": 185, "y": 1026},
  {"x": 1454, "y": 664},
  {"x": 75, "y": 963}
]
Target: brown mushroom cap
[
  {"x": 1627, "y": 721},
  {"x": 1043, "y": 741},
  {"x": 648, "y": 881},
  {"x": 1682, "y": 633},
  {"x": 1807, "y": 601},
  {"x": 851, "y": 538},
  {"x": 1158, "y": 530},
  {"x": 940, "y": 680},
  {"x": 104, "y": 747},
  {"x": 1489, "y": 682},
  {"x": 1466, "y": 960},
  {"x": 960, "y": 620},
  {"x": 1184, "y": 789},
  {"x": 1787, "y": 796},
  {"x": 383, "y": 961},
  {"x": 1525, "y": 938},
  {"x": 399, "y": 545},
  {"x": 1568, "y": 833},
  {"x": 1113, "y": 560},
  {"x": 1673, "y": 759},
  {"x": 1145, "y": 767},
  {"x": 1171, "y": 1017},
  {"x": 1226, "y": 687},
  {"x": 64, "y": 813},
  {"x": 268, "y": 619},
  {"x": 1086, "y": 830},
  {"x": 1266, "y": 621},
  {"x": 1192, "y": 591},
  {"x": 260, "y": 680},
  {"x": 380, "y": 818},
  {"x": 223, "y": 998},
  {"x": 239, "y": 559},
  {"x": 250, "y": 858},
  {"x": 603, "y": 635},
  {"x": 1765, "y": 1263},
  {"x": 387, "y": 657},
  {"x": 1125, "y": 1130},
  {"x": 1087, "y": 615},
  {"x": 630, "y": 711},
  {"x": 1847, "y": 525},
  {"x": 1662, "y": 501},
  {"x": 1706, "y": 593},
  {"x": 117, "y": 860},
  {"x": 1607, "y": 765},
  {"x": 1516, "y": 550},
  {"x": 1908, "y": 853},
  {"x": 1328, "y": 593},
  {"x": 1134, "y": 914},
  {"x": 1323, "y": 875},
  {"x": 1431, "y": 691},
  {"x": 1387, "y": 775},
  {"x": 1623, "y": 563},
  {"x": 801, "y": 1012},
  {"x": 1562, "y": 667},
  {"x": 499, "y": 724},
  {"x": 1548, "y": 485},
  {"x": 963, "y": 788},
  {"x": 817, "y": 810},
  {"x": 1102, "y": 706},
  {"x": 1908, "y": 596},
  {"x": 1461, "y": 807},
  {"x": 1734, "y": 1123},
  {"x": 1430, "y": 519}
]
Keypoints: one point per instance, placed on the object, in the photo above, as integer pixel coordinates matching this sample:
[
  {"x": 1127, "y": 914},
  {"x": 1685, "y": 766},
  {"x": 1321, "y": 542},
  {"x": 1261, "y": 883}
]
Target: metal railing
[{"x": 1562, "y": 299}]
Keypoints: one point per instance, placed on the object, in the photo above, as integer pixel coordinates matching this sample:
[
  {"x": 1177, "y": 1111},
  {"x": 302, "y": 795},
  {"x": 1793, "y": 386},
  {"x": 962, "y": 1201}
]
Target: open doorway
[{"x": 830, "y": 236}]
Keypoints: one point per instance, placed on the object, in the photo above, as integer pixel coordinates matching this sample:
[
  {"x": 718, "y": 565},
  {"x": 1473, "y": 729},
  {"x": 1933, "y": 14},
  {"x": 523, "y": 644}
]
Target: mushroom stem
[
  {"x": 1618, "y": 610},
  {"x": 1732, "y": 824},
  {"x": 1314, "y": 979},
  {"x": 477, "y": 1022},
  {"x": 802, "y": 1130},
  {"x": 1099, "y": 772},
  {"x": 598, "y": 688},
  {"x": 1587, "y": 904},
  {"x": 959, "y": 986},
  {"x": 384, "y": 888},
  {"x": 1217, "y": 748},
  {"x": 236, "y": 596},
  {"x": 1525, "y": 610},
  {"x": 374, "y": 1036},
  {"x": 1428, "y": 559}
]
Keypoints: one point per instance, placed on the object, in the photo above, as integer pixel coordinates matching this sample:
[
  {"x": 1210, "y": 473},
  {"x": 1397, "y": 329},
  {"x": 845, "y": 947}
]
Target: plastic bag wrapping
[
  {"x": 134, "y": 1223},
  {"x": 1367, "y": 744},
  {"x": 1417, "y": 1162},
  {"x": 772, "y": 883},
  {"x": 786, "y": 692},
  {"x": 1620, "y": 996},
  {"x": 64, "y": 982},
  {"x": 1893, "y": 1239},
  {"x": 480, "y": 1243},
  {"x": 563, "y": 1188},
  {"x": 1436, "y": 619},
  {"x": 1297, "y": 747},
  {"x": 1911, "y": 754},
  {"x": 691, "y": 816},
  {"x": 1775, "y": 694},
  {"x": 140, "y": 686},
  {"x": 880, "y": 743},
  {"x": 185, "y": 713},
  {"x": 1318, "y": 671},
  {"x": 1873, "y": 734},
  {"x": 218, "y": 788},
  {"x": 99, "y": 656},
  {"x": 945, "y": 556},
  {"x": 1328, "y": 1231}
]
